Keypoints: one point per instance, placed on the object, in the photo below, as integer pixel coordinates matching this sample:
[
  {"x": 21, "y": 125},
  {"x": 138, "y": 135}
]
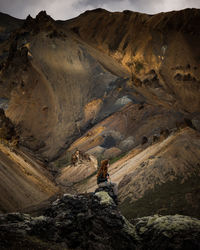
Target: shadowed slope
[
  {"x": 70, "y": 73},
  {"x": 9, "y": 23}
]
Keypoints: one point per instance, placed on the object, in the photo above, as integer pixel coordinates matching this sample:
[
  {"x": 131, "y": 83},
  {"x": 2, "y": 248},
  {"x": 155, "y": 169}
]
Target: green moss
[
  {"x": 117, "y": 158},
  {"x": 130, "y": 229},
  {"x": 168, "y": 198},
  {"x": 170, "y": 224},
  {"x": 105, "y": 198}
]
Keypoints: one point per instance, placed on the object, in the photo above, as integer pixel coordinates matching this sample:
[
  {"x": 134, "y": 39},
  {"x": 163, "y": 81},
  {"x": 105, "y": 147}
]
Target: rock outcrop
[
  {"x": 168, "y": 232},
  {"x": 93, "y": 222},
  {"x": 7, "y": 129}
]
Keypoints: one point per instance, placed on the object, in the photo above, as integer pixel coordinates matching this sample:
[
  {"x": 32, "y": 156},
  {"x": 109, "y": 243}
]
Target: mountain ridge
[{"x": 113, "y": 85}]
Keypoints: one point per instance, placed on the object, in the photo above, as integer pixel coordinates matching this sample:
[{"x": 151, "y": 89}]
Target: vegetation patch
[
  {"x": 113, "y": 160},
  {"x": 172, "y": 197}
]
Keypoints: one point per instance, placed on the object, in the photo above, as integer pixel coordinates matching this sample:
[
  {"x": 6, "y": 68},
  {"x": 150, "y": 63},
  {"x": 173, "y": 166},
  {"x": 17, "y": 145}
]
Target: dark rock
[
  {"x": 7, "y": 129},
  {"x": 165, "y": 132},
  {"x": 168, "y": 232},
  {"x": 43, "y": 17},
  {"x": 109, "y": 142},
  {"x": 87, "y": 221},
  {"x": 178, "y": 77},
  {"x": 187, "y": 77},
  {"x": 155, "y": 138},
  {"x": 92, "y": 221},
  {"x": 141, "y": 106},
  {"x": 144, "y": 140},
  {"x": 42, "y": 22}
]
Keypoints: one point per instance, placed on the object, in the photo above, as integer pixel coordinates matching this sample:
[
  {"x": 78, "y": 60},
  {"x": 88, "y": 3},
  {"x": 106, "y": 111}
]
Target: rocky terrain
[
  {"x": 122, "y": 86},
  {"x": 92, "y": 221}
]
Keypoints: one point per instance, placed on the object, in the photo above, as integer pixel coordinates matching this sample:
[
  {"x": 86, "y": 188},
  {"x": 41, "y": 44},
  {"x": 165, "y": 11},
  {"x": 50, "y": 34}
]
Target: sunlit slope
[
  {"x": 164, "y": 178},
  {"x": 23, "y": 181},
  {"x": 160, "y": 51},
  {"x": 65, "y": 77}
]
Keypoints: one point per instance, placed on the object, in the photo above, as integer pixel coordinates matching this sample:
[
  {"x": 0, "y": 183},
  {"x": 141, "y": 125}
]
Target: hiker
[{"x": 103, "y": 176}]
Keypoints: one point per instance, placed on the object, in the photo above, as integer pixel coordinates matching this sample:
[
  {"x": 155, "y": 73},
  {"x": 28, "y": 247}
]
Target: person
[{"x": 103, "y": 177}]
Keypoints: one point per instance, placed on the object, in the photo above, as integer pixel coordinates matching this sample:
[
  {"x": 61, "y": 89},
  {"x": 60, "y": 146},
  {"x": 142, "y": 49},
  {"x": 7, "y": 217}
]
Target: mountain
[
  {"x": 8, "y": 24},
  {"x": 123, "y": 86}
]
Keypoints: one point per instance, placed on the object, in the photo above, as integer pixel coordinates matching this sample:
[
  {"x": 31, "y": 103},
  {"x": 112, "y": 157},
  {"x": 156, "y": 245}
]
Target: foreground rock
[
  {"x": 168, "y": 232},
  {"x": 92, "y": 221}
]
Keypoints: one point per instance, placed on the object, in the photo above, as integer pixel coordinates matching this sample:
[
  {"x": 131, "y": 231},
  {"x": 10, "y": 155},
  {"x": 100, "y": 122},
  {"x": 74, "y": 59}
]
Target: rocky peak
[
  {"x": 42, "y": 17},
  {"x": 41, "y": 22}
]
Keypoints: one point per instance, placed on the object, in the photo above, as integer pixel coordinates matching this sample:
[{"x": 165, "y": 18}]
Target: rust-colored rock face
[
  {"x": 160, "y": 51},
  {"x": 123, "y": 86}
]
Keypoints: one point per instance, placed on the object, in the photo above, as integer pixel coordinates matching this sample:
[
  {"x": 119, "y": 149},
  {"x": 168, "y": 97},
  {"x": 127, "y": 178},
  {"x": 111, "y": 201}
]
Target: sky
[{"x": 66, "y": 9}]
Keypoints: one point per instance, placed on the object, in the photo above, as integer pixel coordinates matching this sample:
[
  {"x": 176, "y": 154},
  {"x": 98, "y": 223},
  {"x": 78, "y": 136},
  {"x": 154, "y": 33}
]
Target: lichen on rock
[{"x": 105, "y": 198}]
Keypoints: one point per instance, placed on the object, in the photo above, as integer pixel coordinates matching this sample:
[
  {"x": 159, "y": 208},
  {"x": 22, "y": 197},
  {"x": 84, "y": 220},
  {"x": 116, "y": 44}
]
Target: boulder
[{"x": 168, "y": 232}]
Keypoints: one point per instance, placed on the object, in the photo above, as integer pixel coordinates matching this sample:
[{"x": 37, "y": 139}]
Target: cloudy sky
[{"x": 66, "y": 9}]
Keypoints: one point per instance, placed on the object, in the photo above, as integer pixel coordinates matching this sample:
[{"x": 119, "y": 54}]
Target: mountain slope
[
  {"x": 55, "y": 58},
  {"x": 150, "y": 43},
  {"x": 70, "y": 73},
  {"x": 163, "y": 179},
  {"x": 23, "y": 181},
  {"x": 109, "y": 84}
]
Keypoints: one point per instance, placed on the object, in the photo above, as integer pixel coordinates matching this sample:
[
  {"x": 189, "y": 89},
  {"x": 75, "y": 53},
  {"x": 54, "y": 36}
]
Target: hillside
[
  {"x": 160, "y": 51},
  {"x": 123, "y": 86},
  {"x": 24, "y": 182}
]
